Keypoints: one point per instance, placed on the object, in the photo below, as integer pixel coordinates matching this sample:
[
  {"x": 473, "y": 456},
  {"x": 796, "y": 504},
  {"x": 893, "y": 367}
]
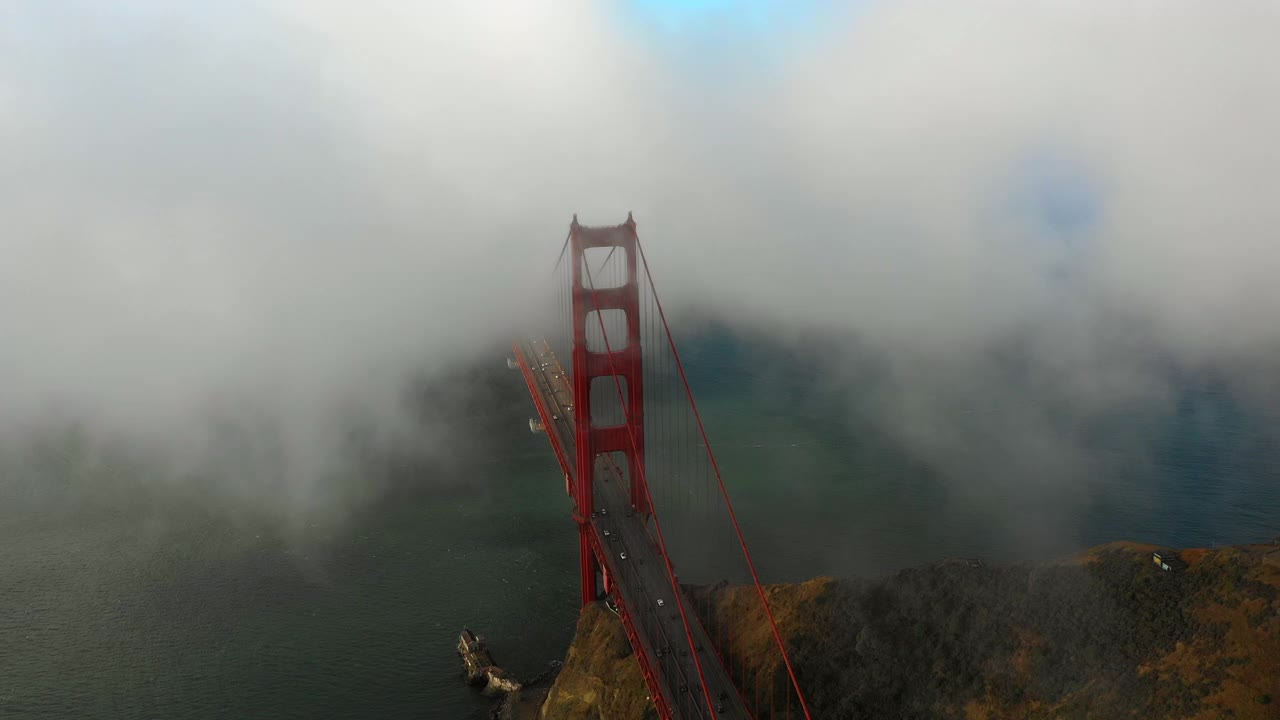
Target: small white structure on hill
[{"x": 1167, "y": 560}]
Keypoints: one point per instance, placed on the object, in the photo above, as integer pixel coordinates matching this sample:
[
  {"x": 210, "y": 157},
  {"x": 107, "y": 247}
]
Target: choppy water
[{"x": 155, "y": 606}]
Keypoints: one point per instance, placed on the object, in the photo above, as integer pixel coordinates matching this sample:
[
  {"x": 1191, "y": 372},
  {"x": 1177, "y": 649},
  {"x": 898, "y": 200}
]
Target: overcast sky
[{"x": 293, "y": 206}]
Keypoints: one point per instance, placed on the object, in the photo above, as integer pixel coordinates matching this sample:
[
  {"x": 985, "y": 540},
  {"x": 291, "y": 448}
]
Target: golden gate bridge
[{"x": 649, "y": 500}]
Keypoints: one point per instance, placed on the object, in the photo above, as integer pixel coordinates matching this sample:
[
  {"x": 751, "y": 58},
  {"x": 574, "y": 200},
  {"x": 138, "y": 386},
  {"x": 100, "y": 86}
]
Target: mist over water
[
  {"x": 990, "y": 279},
  {"x": 127, "y": 598}
]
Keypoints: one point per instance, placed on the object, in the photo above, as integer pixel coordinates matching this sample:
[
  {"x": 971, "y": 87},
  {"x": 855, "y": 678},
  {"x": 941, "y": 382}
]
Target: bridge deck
[{"x": 640, "y": 580}]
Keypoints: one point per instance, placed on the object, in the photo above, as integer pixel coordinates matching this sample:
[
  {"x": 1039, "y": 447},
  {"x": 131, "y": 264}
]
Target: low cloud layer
[{"x": 287, "y": 210}]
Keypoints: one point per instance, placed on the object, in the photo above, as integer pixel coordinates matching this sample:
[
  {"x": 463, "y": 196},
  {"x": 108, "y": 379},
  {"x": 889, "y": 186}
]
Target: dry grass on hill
[{"x": 1104, "y": 634}]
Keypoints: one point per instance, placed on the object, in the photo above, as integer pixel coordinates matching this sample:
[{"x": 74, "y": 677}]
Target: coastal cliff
[
  {"x": 600, "y": 677},
  {"x": 1106, "y": 633}
]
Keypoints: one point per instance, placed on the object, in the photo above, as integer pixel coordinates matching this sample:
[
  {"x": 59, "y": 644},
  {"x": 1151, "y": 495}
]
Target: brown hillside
[
  {"x": 1104, "y": 634},
  {"x": 600, "y": 679}
]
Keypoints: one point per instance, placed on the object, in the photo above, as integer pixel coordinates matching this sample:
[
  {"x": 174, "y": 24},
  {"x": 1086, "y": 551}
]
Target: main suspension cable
[{"x": 720, "y": 480}]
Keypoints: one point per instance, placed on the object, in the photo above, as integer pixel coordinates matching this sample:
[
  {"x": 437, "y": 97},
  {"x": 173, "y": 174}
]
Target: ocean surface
[{"x": 143, "y": 600}]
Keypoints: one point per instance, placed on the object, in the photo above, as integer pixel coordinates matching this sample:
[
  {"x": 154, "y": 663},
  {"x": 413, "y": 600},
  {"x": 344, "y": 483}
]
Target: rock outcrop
[{"x": 479, "y": 668}]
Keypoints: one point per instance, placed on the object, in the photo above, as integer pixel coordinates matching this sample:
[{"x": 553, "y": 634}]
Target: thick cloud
[{"x": 295, "y": 207}]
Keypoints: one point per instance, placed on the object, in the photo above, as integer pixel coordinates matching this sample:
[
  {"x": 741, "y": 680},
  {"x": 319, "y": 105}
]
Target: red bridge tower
[{"x": 601, "y": 363}]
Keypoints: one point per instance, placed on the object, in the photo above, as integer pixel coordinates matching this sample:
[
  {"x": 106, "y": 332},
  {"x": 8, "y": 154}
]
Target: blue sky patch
[
  {"x": 1058, "y": 194},
  {"x": 712, "y": 25}
]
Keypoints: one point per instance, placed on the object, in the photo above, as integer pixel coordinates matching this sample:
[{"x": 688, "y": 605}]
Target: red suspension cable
[
  {"x": 657, "y": 525},
  {"x": 720, "y": 480}
]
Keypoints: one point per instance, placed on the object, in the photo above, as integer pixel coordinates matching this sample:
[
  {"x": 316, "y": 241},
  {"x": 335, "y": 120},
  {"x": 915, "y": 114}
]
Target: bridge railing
[{"x": 646, "y": 614}]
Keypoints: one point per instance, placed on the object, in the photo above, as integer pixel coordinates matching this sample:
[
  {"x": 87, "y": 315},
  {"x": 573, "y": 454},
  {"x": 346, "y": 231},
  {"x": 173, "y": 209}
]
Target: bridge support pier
[{"x": 589, "y": 565}]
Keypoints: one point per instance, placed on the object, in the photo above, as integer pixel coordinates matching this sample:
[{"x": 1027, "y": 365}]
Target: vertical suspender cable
[
  {"x": 662, "y": 544},
  {"x": 773, "y": 626}
]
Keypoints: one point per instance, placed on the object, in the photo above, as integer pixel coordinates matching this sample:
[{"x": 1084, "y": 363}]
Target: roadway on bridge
[{"x": 641, "y": 579}]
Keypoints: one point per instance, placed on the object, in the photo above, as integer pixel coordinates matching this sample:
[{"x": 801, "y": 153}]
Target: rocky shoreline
[{"x": 518, "y": 700}]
